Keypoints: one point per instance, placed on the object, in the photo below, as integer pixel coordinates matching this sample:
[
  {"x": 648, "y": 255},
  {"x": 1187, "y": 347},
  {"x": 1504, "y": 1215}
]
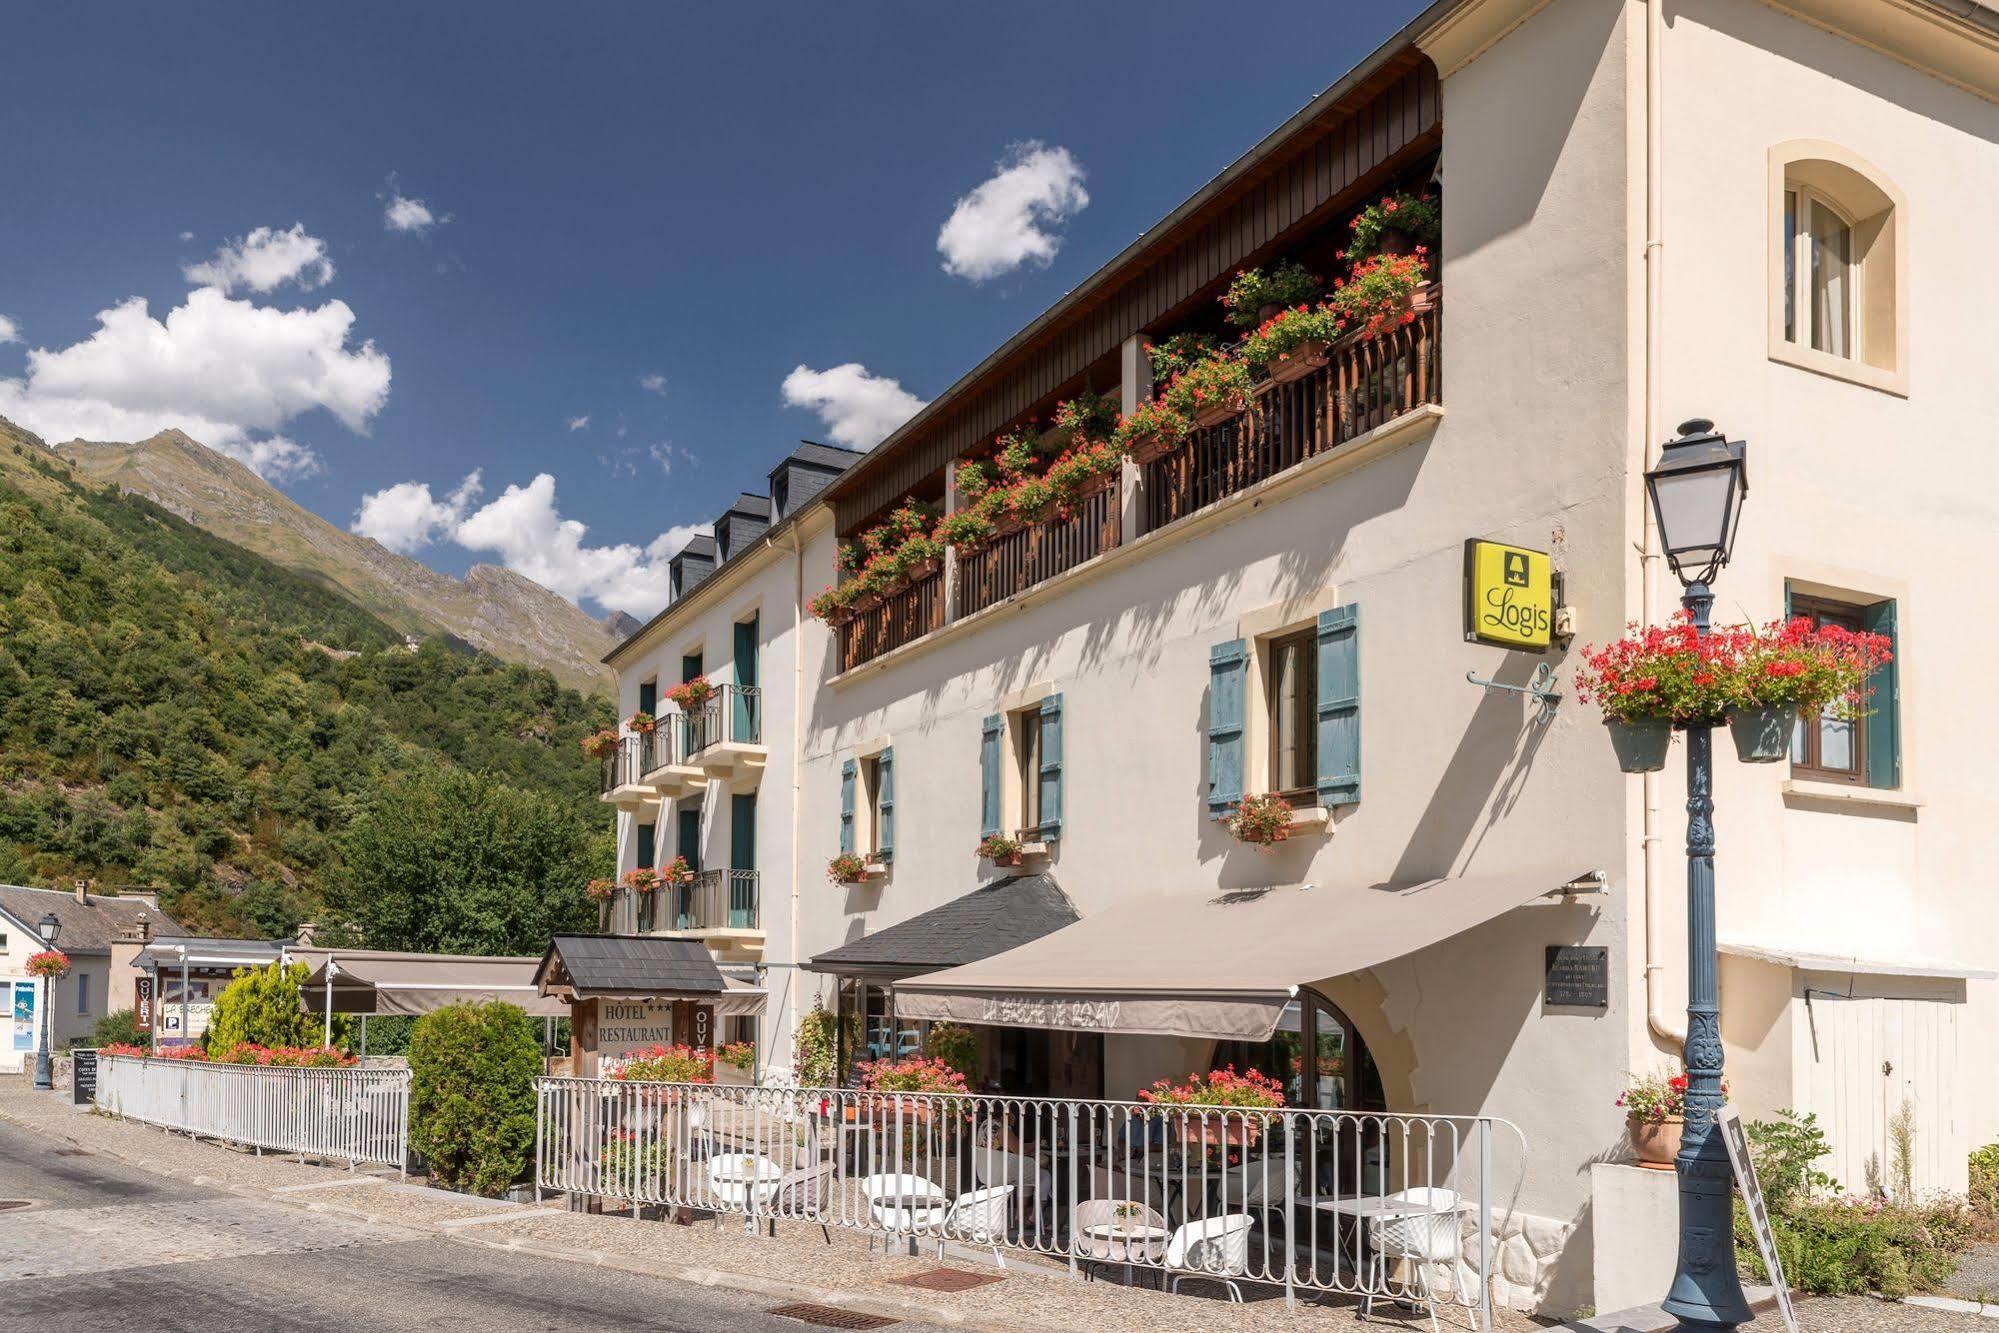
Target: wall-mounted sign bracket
[{"x": 1540, "y": 688}]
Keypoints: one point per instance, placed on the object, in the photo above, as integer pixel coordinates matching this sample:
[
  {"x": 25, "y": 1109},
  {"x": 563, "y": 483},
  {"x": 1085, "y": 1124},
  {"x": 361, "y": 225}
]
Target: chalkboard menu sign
[
  {"x": 1579, "y": 976},
  {"x": 82, "y": 1077}
]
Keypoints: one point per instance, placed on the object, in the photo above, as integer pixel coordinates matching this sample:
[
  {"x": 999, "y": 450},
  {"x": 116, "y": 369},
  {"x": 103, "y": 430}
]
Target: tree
[
  {"x": 265, "y": 1006},
  {"x": 443, "y": 861},
  {"x": 120, "y": 1026},
  {"x": 472, "y": 1072}
]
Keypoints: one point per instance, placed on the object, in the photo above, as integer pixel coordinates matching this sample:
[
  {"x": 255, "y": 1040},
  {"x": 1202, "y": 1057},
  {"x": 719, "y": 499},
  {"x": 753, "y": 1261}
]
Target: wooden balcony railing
[
  {"x": 1038, "y": 552},
  {"x": 1365, "y": 383},
  {"x": 901, "y": 618}
]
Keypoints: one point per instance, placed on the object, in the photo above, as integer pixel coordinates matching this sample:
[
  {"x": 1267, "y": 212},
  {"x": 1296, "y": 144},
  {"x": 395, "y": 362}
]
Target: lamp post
[
  {"x": 1697, "y": 491},
  {"x": 50, "y": 929}
]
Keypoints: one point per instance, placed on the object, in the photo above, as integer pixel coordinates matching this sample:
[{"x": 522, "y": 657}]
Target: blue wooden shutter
[
  {"x": 989, "y": 775},
  {"x": 1227, "y": 665},
  {"x": 1051, "y": 767},
  {"x": 1884, "y": 705},
  {"x": 847, "y": 808},
  {"x": 885, "y": 803},
  {"x": 648, "y": 852},
  {"x": 1339, "y": 706}
]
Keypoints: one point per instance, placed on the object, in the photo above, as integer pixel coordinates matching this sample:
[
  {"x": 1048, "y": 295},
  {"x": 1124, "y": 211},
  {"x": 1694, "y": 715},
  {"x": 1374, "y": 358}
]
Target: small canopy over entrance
[
  {"x": 640, "y": 967},
  {"x": 367, "y": 981},
  {"x": 1221, "y": 965},
  {"x": 989, "y": 920}
]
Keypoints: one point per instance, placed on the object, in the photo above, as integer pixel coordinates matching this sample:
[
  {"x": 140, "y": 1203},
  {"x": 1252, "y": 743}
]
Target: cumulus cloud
[
  {"x": 654, "y": 383},
  {"x": 1006, "y": 221},
  {"x": 229, "y": 373},
  {"x": 265, "y": 260},
  {"x": 10, "y": 332},
  {"x": 401, "y": 213},
  {"x": 579, "y": 423},
  {"x": 524, "y": 528},
  {"x": 859, "y": 408}
]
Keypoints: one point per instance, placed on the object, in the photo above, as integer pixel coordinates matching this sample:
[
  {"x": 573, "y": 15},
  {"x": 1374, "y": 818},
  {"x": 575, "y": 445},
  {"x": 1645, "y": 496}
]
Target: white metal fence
[
  {"x": 1377, "y": 1206},
  {"x": 359, "y": 1115}
]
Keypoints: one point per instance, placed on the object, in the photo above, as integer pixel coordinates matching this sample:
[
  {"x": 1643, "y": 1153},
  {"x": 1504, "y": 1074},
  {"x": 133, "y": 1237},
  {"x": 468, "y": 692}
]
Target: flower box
[
  {"x": 1299, "y": 362},
  {"x": 1151, "y": 448},
  {"x": 1234, "y": 1130},
  {"x": 1208, "y": 418}
]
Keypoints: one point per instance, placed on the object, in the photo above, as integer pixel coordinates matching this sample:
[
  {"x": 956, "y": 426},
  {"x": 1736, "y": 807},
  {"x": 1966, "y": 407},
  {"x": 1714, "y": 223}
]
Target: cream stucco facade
[{"x": 1613, "y": 176}]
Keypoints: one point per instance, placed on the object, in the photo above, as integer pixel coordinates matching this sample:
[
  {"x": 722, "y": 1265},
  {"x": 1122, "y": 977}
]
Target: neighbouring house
[
  {"x": 101, "y": 934},
  {"x": 1027, "y": 747}
]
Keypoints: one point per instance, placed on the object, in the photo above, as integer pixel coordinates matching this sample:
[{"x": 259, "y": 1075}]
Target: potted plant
[
  {"x": 675, "y": 872},
  {"x": 1001, "y": 850},
  {"x": 1087, "y": 416},
  {"x": 737, "y": 1057},
  {"x": 602, "y": 743},
  {"x": 1171, "y": 356},
  {"x": 1380, "y": 292},
  {"x": 968, "y": 530},
  {"x": 1655, "y": 1108},
  {"x": 600, "y": 890},
  {"x": 847, "y": 868},
  {"x": 1652, "y": 680},
  {"x": 1792, "y": 667},
  {"x": 1255, "y": 296},
  {"x": 1150, "y": 431},
  {"x": 48, "y": 964},
  {"x": 642, "y": 879},
  {"x": 1219, "y": 1107},
  {"x": 1210, "y": 391},
  {"x": 1261, "y": 820},
  {"x": 914, "y": 1074},
  {"x": 641, "y": 723},
  {"x": 662, "y": 1064},
  {"x": 1293, "y": 342},
  {"x": 690, "y": 695},
  {"x": 1394, "y": 224},
  {"x": 1085, "y": 469}
]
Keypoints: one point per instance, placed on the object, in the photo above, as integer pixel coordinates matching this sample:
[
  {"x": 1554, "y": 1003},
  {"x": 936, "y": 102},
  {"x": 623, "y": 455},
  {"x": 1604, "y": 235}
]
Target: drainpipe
[
  {"x": 1668, "y": 1024},
  {"x": 797, "y": 749}
]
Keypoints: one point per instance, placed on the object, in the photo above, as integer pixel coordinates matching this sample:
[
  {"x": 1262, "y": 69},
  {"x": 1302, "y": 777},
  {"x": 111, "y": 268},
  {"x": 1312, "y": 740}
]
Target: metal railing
[
  {"x": 732, "y": 713},
  {"x": 359, "y": 1115},
  {"x": 1372, "y": 1205},
  {"x": 626, "y": 764},
  {"x": 713, "y": 900}
]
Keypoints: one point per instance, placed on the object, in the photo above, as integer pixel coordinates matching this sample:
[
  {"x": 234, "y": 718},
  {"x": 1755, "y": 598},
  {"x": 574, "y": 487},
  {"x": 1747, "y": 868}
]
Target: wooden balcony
[
  {"x": 901, "y": 618},
  {"x": 1038, "y": 552}
]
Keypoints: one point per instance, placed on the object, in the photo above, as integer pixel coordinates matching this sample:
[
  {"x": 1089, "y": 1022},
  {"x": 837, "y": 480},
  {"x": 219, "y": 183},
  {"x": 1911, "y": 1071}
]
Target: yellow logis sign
[{"x": 1509, "y": 596}]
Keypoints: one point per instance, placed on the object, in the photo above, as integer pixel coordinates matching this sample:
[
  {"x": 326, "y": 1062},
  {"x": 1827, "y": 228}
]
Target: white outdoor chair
[
  {"x": 741, "y": 1180},
  {"x": 1259, "y": 1186},
  {"x": 1423, "y": 1240},
  {"x": 1034, "y": 1185},
  {"x": 1215, "y": 1249},
  {"x": 801, "y": 1197},
  {"x": 1111, "y": 1249},
  {"x": 888, "y": 1204},
  {"x": 978, "y": 1216}
]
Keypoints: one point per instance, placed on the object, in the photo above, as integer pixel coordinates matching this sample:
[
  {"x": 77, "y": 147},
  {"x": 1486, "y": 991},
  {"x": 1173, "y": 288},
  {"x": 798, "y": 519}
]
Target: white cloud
[
  {"x": 654, "y": 383},
  {"x": 859, "y": 408},
  {"x": 662, "y": 454},
  {"x": 265, "y": 260},
  {"x": 525, "y": 529},
  {"x": 1003, "y": 223},
  {"x": 401, "y": 213},
  {"x": 187, "y": 236},
  {"x": 226, "y": 371},
  {"x": 579, "y": 423},
  {"x": 10, "y": 332}
]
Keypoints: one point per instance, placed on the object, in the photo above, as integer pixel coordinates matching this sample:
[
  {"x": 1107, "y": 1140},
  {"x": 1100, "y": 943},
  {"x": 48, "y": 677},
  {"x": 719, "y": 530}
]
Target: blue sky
[{"x": 715, "y": 196}]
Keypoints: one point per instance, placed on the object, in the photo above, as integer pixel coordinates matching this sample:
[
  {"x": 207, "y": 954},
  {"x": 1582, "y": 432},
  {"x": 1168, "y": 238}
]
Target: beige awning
[
  {"x": 367, "y": 981},
  {"x": 1196, "y": 965}
]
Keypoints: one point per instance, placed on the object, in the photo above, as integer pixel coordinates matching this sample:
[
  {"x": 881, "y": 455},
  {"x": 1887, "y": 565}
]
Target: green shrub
[
  {"x": 1784, "y": 1150},
  {"x": 472, "y": 1072},
  {"x": 120, "y": 1026},
  {"x": 955, "y": 1046},
  {"x": 1985, "y": 1187},
  {"x": 1845, "y": 1247},
  {"x": 263, "y": 1006},
  {"x": 813, "y": 1049}
]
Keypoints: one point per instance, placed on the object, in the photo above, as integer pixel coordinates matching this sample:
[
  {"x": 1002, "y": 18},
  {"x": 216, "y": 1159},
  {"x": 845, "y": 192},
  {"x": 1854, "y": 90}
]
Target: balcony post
[
  {"x": 1135, "y": 387},
  {"x": 951, "y": 501}
]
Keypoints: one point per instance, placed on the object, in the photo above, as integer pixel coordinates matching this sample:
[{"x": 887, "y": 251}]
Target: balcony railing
[
  {"x": 625, "y": 765},
  {"x": 1366, "y": 382},
  {"x": 901, "y": 618},
  {"x": 1034, "y": 554},
  {"x": 733, "y": 713},
  {"x": 713, "y": 900}
]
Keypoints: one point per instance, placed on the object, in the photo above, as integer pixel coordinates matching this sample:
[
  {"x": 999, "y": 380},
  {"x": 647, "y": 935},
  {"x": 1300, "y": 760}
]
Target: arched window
[{"x": 1838, "y": 266}]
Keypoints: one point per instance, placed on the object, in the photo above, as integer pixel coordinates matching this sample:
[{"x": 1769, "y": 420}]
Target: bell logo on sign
[{"x": 1509, "y": 596}]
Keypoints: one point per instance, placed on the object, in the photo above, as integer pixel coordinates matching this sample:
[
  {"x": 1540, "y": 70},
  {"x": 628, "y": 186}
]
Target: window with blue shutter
[
  {"x": 1884, "y": 703},
  {"x": 847, "y": 774},
  {"x": 989, "y": 775},
  {"x": 1864, "y": 751},
  {"x": 885, "y": 804},
  {"x": 1228, "y": 665},
  {"x": 1339, "y": 706},
  {"x": 1051, "y": 768}
]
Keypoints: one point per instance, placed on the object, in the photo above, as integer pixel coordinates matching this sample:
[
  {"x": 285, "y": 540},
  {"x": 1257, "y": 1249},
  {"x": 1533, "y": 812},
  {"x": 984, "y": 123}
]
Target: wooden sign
[
  {"x": 1509, "y": 596},
  {"x": 1578, "y": 976},
  {"x": 1728, "y": 1124}
]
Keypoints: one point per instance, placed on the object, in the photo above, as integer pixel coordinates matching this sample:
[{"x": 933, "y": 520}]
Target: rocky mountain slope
[{"x": 514, "y": 618}]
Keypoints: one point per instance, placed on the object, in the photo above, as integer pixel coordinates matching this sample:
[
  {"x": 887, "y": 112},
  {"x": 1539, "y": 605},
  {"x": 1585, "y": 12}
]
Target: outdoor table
[
  {"x": 1363, "y": 1208},
  {"x": 1131, "y": 1234}
]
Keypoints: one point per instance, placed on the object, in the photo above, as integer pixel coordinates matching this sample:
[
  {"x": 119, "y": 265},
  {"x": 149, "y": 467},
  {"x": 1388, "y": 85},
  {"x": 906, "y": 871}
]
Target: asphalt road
[{"x": 105, "y": 1246}]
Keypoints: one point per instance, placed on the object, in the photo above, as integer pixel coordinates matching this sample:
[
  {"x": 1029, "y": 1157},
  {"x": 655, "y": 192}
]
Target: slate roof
[
  {"x": 87, "y": 927},
  {"x": 988, "y": 920},
  {"x": 825, "y": 455},
  {"x": 628, "y": 964}
]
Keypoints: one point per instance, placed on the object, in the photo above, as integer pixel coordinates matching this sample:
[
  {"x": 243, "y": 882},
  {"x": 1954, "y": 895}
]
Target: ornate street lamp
[
  {"x": 49, "y": 928},
  {"x": 1697, "y": 492}
]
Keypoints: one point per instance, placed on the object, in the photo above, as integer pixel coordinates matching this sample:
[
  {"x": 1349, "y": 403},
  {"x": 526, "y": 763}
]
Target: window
[
  {"x": 1292, "y": 690},
  {"x": 1027, "y": 761},
  {"x": 646, "y": 904},
  {"x": 83, "y": 992},
  {"x": 1818, "y": 273},
  {"x": 1865, "y": 750},
  {"x": 1838, "y": 269},
  {"x": 690, "y": 666},
  {"x": 867, "y": 806},
  {"x": 870, "y": 788},
  {"x": 649, "y": 695},
  {"x": 1020, "y": 771}
]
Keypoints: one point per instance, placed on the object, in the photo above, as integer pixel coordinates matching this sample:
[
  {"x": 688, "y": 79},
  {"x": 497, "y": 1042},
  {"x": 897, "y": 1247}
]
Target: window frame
[
  {"x": 1800, "y": 288},
  {"x": 1026, "y": 738},
  {"x": 1809, "y": 769},
  {"x": 1305, "y": 642},
  {"x": 1875, "y": 214},
  {"x": 868, "y": 805}
]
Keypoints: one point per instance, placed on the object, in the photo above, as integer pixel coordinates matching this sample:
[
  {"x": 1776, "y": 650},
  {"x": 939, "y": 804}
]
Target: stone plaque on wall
[{"x": 1578, "y": 976}]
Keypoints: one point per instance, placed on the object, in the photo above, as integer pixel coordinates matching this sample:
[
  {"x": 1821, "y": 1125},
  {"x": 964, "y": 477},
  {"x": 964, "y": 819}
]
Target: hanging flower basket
[
  {"x": 49, "y": 963},
  {"x": 601, "y": 744},
  {"x": 690, "y": 695},
  {"x": 601, "y": 890},
  {"x": 922, "y": 570},
  {"x": 1762, "y": 735},
  {"x": 1641, "y": 744},
  {"x": 1219, "y": 415},
  {"x": 641, "y": 723}
]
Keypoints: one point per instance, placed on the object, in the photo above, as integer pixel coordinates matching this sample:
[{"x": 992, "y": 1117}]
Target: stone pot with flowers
[{"x": 1655, "y": 1110}]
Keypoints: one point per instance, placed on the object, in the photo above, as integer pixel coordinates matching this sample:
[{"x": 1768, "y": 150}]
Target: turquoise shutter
[
  {"x": 1227, "y": 664},
  {"x": 885, "y": 801},
  {"x": 1051, "y": 768},
  {"x": 1884, "y": 705},
  {"x": 1339, "y": 706},
  {"x": 989, "y": 775},
  {"x": 847, "y": 808}
]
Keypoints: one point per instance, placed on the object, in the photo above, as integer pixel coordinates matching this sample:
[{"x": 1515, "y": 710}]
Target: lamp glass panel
[{"x": 1693, "y": 509}]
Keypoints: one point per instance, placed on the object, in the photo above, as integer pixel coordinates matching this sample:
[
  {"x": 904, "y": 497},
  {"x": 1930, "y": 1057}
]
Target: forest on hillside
[{"x": 179, "y": 713}]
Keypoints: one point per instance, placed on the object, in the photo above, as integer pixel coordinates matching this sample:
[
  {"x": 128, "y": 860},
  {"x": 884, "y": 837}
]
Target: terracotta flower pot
[
  {"x": 1642, "y": 745},
  {"x": 1656, "y": 1141},
  {"x": 921, "y": 571},
  {"x": 1152, "y": 448},
  {"x": 1209, "y": 417},
  {"x": 1299, "y": 362},
  {"x": 1237, "y": 1131},
  {"x": 1762, "y": 735}
]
